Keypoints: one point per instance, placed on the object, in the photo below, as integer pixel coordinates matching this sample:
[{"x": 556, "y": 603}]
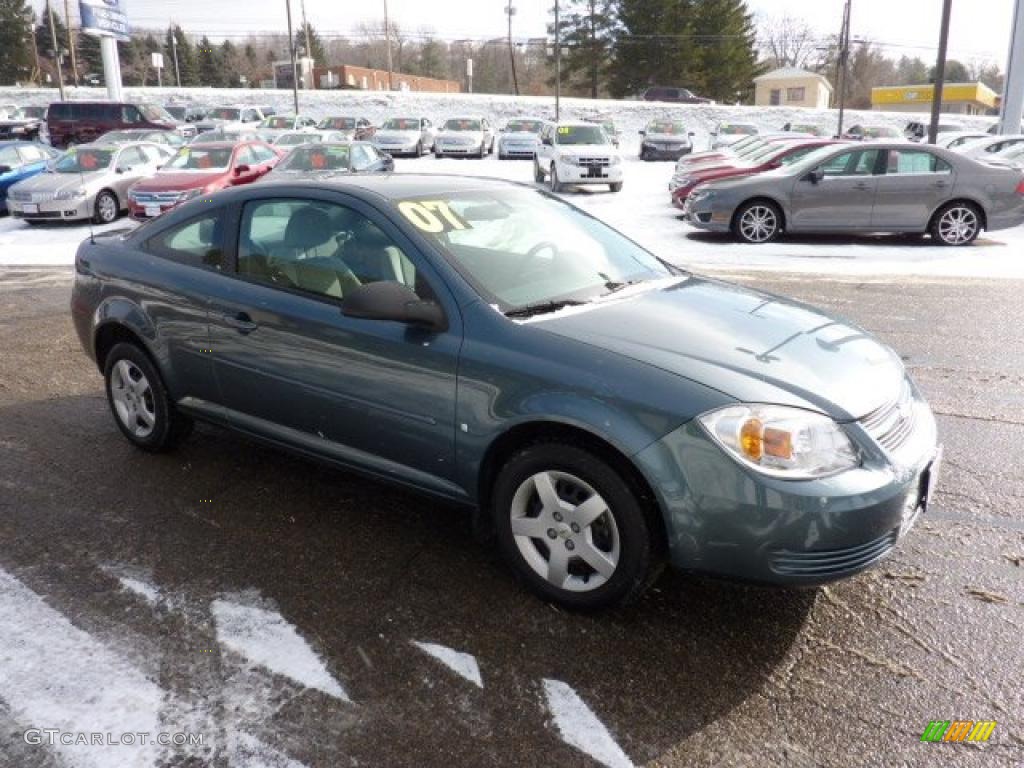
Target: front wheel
[
  {"x": 556, "y": 185},
  {"x": 538, "y": 173},
  {"x": 956, "y": 224},
  {"x": 572, "y": 527},
  {"x": 419, "y": 149},
  {"x": 615, "y": 186},
  {"x": 106, "y": 208},
  {"x": 438, "y": 154},
  {"x": 757, "y": 222},
  {"x": 142, "y": 409}
]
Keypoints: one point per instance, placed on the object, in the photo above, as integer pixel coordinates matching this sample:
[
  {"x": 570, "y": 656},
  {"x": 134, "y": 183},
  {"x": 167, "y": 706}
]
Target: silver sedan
[
  {"x": 89, "y": 182},
  {"x": 881, "y": 187}
]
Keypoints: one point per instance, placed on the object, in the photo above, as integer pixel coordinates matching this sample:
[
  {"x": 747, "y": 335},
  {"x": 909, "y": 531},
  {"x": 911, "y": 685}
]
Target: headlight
[
  {"x": 685, "y": 181},
  {"x": 616, "y": 160},
  {"x": 782, "y": 442},
  {"x": 571, "y": 160},
  {"x": 188, "y": 194},
  {"x": 701, "y": 194},
  {"x": 70, "y": 194}
]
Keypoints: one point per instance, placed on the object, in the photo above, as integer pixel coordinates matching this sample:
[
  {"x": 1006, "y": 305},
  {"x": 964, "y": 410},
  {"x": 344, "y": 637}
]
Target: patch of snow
[
  {"x": 580, "y": 728},
  {"x": 462, "y": 664},
  {"x": 54, "y": 675},
  {"x": 249, "y": 752},
  {"x": 265, "y": 638}
]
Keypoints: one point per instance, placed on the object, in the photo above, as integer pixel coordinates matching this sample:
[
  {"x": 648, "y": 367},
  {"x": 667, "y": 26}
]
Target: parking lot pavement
[{"x": 299, "y": 616}]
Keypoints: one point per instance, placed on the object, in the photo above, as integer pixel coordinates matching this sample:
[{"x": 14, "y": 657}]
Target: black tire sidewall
[
  {"x": 163, "y": 433},
  {"x": 635, "y": 558}
]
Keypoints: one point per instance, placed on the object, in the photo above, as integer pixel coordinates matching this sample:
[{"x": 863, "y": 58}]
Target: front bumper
[
  {"x": 725, "y": 519},
  {"x": 518, "y": 150},
  {"x": 458, "y": 149},
  {"x": 141, "y": 212},
  {"x": 656, "y": 152},
  {"x": 589, "y": 174},
  {"x": 397, "y": 149},
  {"x": 703, "y": 214},
  {"x": 52, "y": 210}
]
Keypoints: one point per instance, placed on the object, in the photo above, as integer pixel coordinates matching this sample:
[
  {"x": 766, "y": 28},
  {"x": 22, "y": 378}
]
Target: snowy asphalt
[{"x": 299, "y": 616}]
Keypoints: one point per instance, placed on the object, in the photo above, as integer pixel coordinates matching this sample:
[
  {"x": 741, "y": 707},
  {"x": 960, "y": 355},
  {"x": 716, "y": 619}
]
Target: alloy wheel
[
  {"x": 106, "y": 208},
  {"x": 133, "y": 399},
  {"x": 565, "y": 531},
  {"x": 758, "y": 224},
  {"x": 958, "y": 225}
]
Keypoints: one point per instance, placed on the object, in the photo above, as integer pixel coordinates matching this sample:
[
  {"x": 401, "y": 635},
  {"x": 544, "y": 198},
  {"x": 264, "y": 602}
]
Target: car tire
[
  {"x": 616, "y": 186},
  {"x": 644, "y": 155},
  {"x": 556, "y": 185},
  {"x": 483, "y": 151},
  {"x": 419, "y": 149},
  {"x": 538, "y": 172},
  {"x": 609, "y": 558},
  {"x": 105, "y": 209},
  {"x": 438, "y": 154},
  {"x": 139, "y": 402},
  {"x": 955, "y": 224},
  {"x": 757, "y": 222}
]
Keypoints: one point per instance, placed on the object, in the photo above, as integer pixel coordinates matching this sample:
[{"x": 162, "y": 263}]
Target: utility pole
[
  {"x": 558, "y": 65},
  {"x": 71, "y": 42},
  {"x": 291, "y": 51},
  {"x": 174, "y": 53},
  {"x": 56, "y": 54},
  {"x": 511, "y": 11},
  {"x": 940, "y": 71},
  {"x": 1013, "y": 90},
  {"x": 387, "y": 36},
  {"x": 305, "y": 26},
  {"x": 842, "y": 64}
]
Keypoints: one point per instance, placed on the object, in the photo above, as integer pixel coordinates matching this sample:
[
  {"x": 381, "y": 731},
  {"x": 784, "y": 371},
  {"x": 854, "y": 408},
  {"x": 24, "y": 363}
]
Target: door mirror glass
[{"x": 390, "y": 300}]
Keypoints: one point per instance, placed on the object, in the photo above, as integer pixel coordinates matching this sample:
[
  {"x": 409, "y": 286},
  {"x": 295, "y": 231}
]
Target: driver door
[{"x": 843, "y": 199}]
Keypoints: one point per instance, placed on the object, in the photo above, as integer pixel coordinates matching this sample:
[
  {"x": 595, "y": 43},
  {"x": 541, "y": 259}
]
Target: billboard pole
[
  {"x": 111, "y": 67},
  {"x": 291, "y": 51},
  {"x": 71, "y": 41},
  {"x": 1012, "y": 109},
  {"x": 56, "y": 54},
  {"x": 558, "y": 65}
]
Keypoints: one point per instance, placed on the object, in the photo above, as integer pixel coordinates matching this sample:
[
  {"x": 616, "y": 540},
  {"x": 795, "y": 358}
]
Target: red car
[
  {"x": 200, "y": 169},
  {"x": 743, "y": 148},
  {"x": 774, "y": 156}
]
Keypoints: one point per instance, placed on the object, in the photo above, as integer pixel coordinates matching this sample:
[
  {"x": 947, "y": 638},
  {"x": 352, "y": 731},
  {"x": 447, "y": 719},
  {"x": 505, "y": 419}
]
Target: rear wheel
[
  {"x": 757, "y": 222},
  {"x": 438, "y": 154},
  {"x": 106, "y": 208},
  {"x": 556, "y": 185},
  {"x": 572, "y": 527},
  {"x": 139, "y": 401},
  {"x": 419, "y": 148},
  {"x": 958, "y": 223}
]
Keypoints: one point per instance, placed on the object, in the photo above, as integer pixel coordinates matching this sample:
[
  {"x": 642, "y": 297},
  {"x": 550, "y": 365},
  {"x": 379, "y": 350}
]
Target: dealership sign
[{"x": 105, "y": 18}]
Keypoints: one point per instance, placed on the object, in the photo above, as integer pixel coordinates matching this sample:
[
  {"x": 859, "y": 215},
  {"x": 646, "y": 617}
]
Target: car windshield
[
  {"x": 279, "y": 122},
  {"x": 9, "y": 157},
  {"x": 337, "y": 123},
  {"x": 461, "y": 124},
  {"x": 746, "y": 148},
  {"x": 580, "y": 134},
  {"x": 154, "y": 113},
  {"x": 334, "y": 157},
  {"x": 814, "y": 130},
  {"x": 402, "y": 124},
  {"x": 524, "y": 126},
  {"x": 223, "y": 136},
  {"x": 737, "y": 129},
  {"x": 666, "y": 126},
  {"x": 521, "y": 247},
  {"x": 297, "y": 139},
  {"x": 811, "y": 160},
  {"x": 85, "y": 160},
  {"x": 199, "y": 158},
  {"x": 879, "y": 132},
  {"x": 225, "y": 113},
  {"x": 176, "y": 112}
]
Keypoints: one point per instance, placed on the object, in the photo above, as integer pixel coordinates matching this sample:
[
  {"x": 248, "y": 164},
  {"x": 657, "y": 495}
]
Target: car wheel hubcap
[
  {"x": 565, "y": 531},
  {"x": 133, "y": 398},
  {"x": 958, "y": 225},
  {"x": 758, "y": 223},
  {"x": 107, "y": 207}
]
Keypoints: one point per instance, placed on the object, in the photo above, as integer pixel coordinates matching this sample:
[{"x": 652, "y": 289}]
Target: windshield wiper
[
  {"x": 543, "y": 307},
  {"x": 613, "y": 285}
]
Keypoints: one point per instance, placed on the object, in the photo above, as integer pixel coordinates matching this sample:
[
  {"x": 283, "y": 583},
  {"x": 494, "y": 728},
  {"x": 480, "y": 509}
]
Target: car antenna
[{"x": 81, "y": 178}]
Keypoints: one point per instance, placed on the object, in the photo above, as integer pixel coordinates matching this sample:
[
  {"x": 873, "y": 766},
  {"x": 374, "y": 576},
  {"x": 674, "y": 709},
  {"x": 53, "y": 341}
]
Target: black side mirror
[
  {"x": 390, "y": 300},
  {"x": 240, "y": 169},
  {"x": 642, "y": 133},
  {"x": 5, "y": 169},
  {"x": 815, "y": 176}
]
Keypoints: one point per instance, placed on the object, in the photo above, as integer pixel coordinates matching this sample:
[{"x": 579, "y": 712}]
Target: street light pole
[
  {"x": 71, "y": 42},
  {"x": 387, "y": 37},
  {"x": 940, "y": 72},
  {"x": 558, "y": 65},
  {"x": 174, "y": 53},
  {"x": 1013, "y": 90},
  {"x": 511, "y": 11},
  {"x": 291, "y": 51},
  {"x": 56, "y": 54},
  {"x": 841, "y": 66}
]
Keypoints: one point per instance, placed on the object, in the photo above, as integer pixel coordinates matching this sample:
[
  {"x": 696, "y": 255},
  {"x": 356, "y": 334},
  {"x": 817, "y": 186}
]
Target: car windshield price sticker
[{"x": 432, "y": 216}]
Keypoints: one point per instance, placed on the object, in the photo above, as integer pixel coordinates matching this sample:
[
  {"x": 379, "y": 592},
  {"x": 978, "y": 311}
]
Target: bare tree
[{"x": 788, "y": 42}]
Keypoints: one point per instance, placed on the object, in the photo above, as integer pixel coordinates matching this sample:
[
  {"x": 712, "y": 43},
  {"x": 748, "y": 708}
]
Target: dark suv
[
  {"x": 675, "y": 95},
  {"x": 80, "y": 122}
]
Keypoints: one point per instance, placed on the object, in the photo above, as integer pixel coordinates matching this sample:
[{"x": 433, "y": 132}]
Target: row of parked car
[{"x": 766, "y": 185}]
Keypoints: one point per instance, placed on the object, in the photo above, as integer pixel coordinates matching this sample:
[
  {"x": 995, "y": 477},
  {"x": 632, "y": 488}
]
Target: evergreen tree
[
  {"x": 186, "y": 56},
  {"x": 16, "y": 60},
  {"x": 208, "y": 64},
  {"x": 433, "y": 60},
  {"x": 587, "y": 31},
  {"x": 44, "y": 39},
  {"x": 90, "y": 56},
  {"x": 230, "y": 64},
  {"x": 316, "y": 46},
  {"x": 727, "y": 38}
]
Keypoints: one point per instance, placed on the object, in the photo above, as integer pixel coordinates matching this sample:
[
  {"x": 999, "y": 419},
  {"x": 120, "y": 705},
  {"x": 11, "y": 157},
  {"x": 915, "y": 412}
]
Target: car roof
[
  {"x": 410, "y": 185},
  {"x": 219, "y": 144}
]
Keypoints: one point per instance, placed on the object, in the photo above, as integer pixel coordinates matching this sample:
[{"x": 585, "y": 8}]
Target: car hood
[
  {"x": 60, "y": 182},
  {"x": 751, "y": 346},
  {"x": 774, "y": 180},
  {"x": 401, "y": 135},
  {"x": 172, "y": 182},
  {"x": 473, "y": 136},
  {"x": 586, "y": 150},
  {"x": 520, "y": 135}
]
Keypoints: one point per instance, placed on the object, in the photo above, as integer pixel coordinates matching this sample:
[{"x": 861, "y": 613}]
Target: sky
[{"x": 979, "y": 29}]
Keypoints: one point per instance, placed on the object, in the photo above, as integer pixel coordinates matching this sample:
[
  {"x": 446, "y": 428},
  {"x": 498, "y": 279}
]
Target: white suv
[{"x": 577, "y": 153}]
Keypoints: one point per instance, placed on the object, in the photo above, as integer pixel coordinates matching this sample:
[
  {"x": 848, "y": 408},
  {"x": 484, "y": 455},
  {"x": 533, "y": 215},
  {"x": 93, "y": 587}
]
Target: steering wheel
[{"x": 534, "y": 253}]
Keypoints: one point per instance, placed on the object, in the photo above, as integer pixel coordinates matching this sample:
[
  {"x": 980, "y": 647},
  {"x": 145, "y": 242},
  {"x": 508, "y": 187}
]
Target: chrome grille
[
  {"x": 595, "y": 161},
  {"x": 154, "y": 198},
  {"x": 832, "y": 562},
  {"x": 893, "y": 423},
  {"x": 22, "y": 196}
]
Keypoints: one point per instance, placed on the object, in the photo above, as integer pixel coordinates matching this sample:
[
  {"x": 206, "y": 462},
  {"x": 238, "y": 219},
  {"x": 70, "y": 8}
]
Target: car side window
[
  {"x": 130, "y": 157},
  {"x": 855, "y": 163},
  {"x": 910, "y": 162},
  {"x": 151, "y": 153},
  {"x": 245, "y": 156},
  {"x": 320, "y": 248},
  {"x": 30, "y": 154},
  {"x": 130, "y": 114},
  {"x": 263, "y": 154},
  {"x": 198, "y": 242}
]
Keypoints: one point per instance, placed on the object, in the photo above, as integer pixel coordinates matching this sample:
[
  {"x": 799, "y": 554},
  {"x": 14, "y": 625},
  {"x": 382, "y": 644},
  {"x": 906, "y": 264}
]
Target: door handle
[
  {"x": 940, "y": 184},
  {"x": 241, "y": 322},
  {"x": 862, "y": 187}
]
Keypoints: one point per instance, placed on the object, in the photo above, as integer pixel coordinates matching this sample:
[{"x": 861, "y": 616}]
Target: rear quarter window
[{"x": 197, "y": 242}]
